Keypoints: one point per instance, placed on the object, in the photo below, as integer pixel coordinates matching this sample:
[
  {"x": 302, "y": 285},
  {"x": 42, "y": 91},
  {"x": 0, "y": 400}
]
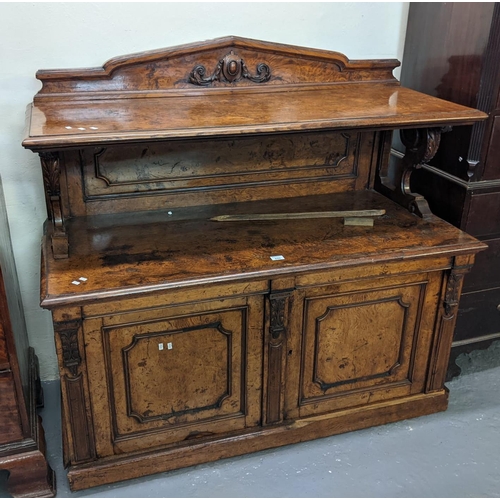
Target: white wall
[{"x": 69, "y": 35}]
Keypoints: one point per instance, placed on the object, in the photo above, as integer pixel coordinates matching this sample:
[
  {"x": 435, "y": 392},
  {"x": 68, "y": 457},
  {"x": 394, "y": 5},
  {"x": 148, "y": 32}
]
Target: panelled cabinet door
[
  {"x": 175, "y": 374},
  {"x": 366, "y": 345}
]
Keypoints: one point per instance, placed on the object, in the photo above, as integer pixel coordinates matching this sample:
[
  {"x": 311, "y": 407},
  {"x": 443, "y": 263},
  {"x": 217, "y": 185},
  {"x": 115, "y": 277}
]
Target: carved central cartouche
[{"x": 229, "y": 69}]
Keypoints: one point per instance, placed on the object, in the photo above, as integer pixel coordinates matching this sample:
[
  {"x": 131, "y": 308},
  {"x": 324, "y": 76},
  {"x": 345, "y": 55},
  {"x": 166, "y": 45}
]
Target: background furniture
[
  {"x": 452, "y": 51},
  {"x": 182, "y": 339},
  {"x": 22, "y": 445}
]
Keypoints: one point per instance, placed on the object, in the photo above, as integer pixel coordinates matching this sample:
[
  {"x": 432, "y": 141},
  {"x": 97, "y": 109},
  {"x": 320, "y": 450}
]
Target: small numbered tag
[{"x": 277, "y": 257}]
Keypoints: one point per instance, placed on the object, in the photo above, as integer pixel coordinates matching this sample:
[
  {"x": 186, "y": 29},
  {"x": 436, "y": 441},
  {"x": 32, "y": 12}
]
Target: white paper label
[
  {"x": 160, "y": 346},
  {"x": 277, "y": 257}
]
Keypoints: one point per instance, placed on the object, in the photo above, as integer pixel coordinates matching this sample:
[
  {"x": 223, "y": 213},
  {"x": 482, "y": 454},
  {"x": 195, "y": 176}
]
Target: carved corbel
[
  {"x": 51, "y": 172},
  {"x": 421, "y": 146}
]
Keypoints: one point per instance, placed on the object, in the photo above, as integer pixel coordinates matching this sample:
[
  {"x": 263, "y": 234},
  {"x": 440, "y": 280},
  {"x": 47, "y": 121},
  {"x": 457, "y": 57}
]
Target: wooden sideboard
[
  {"x": 462, "y": 182},
  {"x": 22, "y": 443},
  {"x": 182, "y": 339}
]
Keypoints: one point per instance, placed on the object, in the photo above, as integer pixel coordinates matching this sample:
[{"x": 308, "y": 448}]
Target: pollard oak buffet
[{"x": 183, "y": 339}]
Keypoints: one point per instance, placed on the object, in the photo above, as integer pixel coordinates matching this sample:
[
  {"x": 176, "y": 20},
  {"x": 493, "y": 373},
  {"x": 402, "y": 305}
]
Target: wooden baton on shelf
[{"x": 299, "y": 215}]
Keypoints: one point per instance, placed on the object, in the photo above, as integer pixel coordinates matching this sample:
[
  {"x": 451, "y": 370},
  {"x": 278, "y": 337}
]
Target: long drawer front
[
  {"x": 479, "y": 314},
  {"x": 484, "y": 214},
  {"x": 486, "y": 271}
]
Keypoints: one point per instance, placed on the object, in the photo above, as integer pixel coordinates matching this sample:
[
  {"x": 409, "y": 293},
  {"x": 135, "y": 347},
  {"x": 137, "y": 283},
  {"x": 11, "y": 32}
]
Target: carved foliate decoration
[
  {"x": 277, "y": 320},
  {"x": 51, "y": 173},
  {"x": 68, "y": 334},
  {"x": 229, "y": 69},
  {"x": 452, "y": 294},
  {"x": 421, "y": 144}
]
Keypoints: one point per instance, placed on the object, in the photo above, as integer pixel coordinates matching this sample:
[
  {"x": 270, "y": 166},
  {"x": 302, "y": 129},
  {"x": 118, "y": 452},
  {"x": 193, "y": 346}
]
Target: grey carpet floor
[{"x": 450, "y": 454}]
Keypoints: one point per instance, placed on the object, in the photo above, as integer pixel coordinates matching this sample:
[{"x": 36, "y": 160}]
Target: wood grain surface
[
  {"x": 182, "y": 339},
  {"x": 146, "y": 252},
  {"x": 149, "y": 97},
  {"x": 340, "y": 106}
]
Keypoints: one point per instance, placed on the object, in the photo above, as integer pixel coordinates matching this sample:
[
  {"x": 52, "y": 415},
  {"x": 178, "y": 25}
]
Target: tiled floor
[{"x": 451, "y": 454}]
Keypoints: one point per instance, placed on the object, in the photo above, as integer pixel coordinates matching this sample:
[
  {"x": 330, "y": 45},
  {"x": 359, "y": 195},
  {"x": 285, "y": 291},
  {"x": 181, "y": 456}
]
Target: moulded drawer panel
[
  {"x": 486, "y": 270},
  {"x": 479, "y": 314},
  {"x": 484, "y": 214}
]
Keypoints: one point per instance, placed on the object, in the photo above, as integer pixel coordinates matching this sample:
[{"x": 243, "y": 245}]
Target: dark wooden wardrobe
[{"x": 452, "y": 51}]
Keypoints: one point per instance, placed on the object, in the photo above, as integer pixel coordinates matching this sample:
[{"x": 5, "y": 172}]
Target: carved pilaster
[
  {"x": 453, "y": 288},
  {"x": 445, "y": 326},
  {"x": 51, "y": 172},
  {"x": 77, "y": 422},
  {"x": 230, "y": 69},
  {"x": 276, "y": 355}
]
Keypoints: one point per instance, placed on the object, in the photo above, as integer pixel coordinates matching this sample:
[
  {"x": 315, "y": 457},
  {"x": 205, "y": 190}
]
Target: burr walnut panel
[
  {"x": 362, "y": 346},
  {"x": 340, "y": 360},
  {"x": 175, "y": 373},
  {"x": 173, "y": 174},
  {"x": 207, "y": 165},
  {"x": 142, "y": 361}
]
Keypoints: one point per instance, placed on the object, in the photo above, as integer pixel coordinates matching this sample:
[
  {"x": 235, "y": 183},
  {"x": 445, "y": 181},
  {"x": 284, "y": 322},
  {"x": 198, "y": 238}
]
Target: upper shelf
[{"x": 227, "y": 86}]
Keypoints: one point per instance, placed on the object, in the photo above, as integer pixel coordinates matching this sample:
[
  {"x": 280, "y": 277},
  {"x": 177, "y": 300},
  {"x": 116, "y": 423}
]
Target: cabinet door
[
  {"x": 368, "y": 345},
  {"x": 10, "y": 421},
  {"x": 175, "y": 374}
]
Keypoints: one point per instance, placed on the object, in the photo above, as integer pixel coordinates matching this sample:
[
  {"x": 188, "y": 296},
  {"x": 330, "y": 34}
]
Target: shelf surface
[
  {"x": 70, "y": 123},
  {"x": 153, "y": 251}
]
